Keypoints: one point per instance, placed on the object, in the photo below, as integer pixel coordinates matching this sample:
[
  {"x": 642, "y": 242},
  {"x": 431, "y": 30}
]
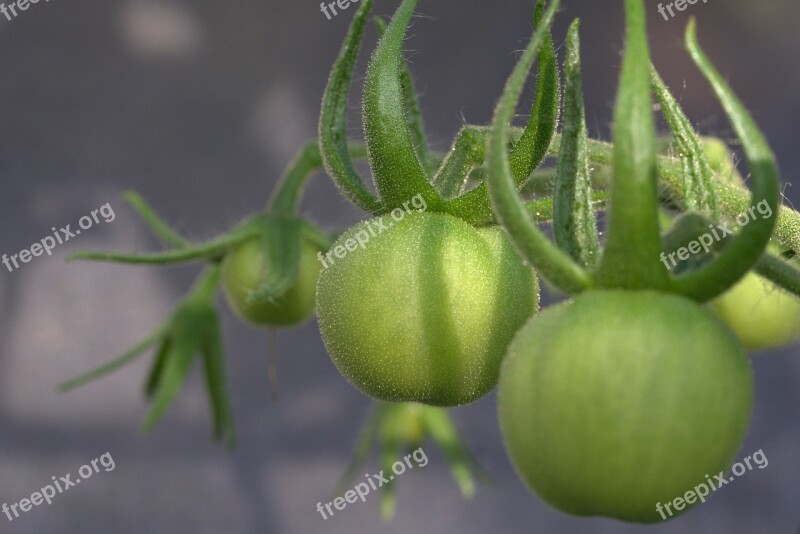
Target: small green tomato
[
  {"x": 619, "y": 400},
  {"x": 424, "y": 310},
  {"x": 761, "y": 314},
  {"x": 242, "y": 273}
]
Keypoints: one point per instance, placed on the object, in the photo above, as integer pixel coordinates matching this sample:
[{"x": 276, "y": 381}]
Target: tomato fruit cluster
[{"x": 627, "y": 394}]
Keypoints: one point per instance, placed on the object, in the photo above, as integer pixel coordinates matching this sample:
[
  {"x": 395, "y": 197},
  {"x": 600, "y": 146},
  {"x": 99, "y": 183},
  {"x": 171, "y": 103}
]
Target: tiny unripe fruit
[
  {"x": 762, "y": 315},
  {"x": 619, "y": 400},
  {"x": 242, "y": 273}
]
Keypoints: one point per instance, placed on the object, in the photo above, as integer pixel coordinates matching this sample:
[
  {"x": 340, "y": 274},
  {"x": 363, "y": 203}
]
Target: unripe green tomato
[
  {"x": 424, "y": 310},
  {"x": 620, "y": 400},
  {"x": 761, "y": 314},
  {"x": 242, "y": 273}
]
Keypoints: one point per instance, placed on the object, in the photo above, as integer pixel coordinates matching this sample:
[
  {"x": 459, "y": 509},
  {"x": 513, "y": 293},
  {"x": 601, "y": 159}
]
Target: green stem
[
  {"x": 733, "y": 200},
  {"x": 541, "y": 210},
  {"x": 779, "y": 272},
  {"x": 212, "y": 251},
  {"x": 307, "y": 161}
]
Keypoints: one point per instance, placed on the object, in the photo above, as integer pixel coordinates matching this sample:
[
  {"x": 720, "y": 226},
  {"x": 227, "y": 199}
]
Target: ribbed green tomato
[
  {"x": 620, "y": 400},
  {"x": 425, "y": 309},
  {"x": 242, "y": 273},
  {"x": 761, "y": 314}
]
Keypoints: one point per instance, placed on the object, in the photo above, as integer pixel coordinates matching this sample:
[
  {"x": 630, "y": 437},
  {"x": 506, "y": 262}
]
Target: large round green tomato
[
  {"x": 762, "y": 315},
  {"x": 425, "y": 309},
  {"x": 619, "y": 401},
  {"x": 242, "y": 273}
]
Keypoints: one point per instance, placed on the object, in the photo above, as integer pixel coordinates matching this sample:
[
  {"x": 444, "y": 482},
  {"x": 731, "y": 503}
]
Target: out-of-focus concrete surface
[{"x": 198, "y": 106}]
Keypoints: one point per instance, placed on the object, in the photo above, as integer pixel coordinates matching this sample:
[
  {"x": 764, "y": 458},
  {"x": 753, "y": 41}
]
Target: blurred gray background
[{"x": 199, "y": 106}]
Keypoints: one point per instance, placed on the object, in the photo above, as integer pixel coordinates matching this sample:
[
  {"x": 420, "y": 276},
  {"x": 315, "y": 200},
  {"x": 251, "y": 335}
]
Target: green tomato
[
  {"x": 425, "y": 309},
  {"x": 620, "y": 400},
  {"x": 761, "y": 314},
  {"x": 242, "y": 273}
]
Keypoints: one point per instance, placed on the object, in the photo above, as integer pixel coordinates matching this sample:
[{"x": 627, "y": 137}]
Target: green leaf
[
  {"x": 466, "y": 154},
  {"x": 443, "y": 432},
  {"x": 391, "y": 450},
  {"x": 631, "y": 256},
  {"x": 159, "y": 227},
  {"x": 701, "y": 192},
  {"x": 414, "y": 120},
  {"x": 550, "y": 261},
  {"x": 128, "y": 357},
  {"x": 748, "y": 245},
  {"x": 364, "y": 443},
  {"x": 574, "y": 223},
  {"x": 216, "y": 381},
  {"x": 528, "y": 148},
  {"x": 190, "y": 323},
  {"x": 398, "y": 172},
  {"x": 531, "y": 148},
  {"x": 333, "y": 144},
  {"x": 157, "y": 367}
]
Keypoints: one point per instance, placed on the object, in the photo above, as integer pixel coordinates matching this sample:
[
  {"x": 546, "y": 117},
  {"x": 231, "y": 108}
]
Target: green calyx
[
  {"x": 192, "y": 332},
  {"x": 403, "y": 431},
  {"x": 632, "y": 257},
  {"x": 481, "y": 177},
  {"x": 400, "y": 160},
  {"x": 277, "y": 290}
]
